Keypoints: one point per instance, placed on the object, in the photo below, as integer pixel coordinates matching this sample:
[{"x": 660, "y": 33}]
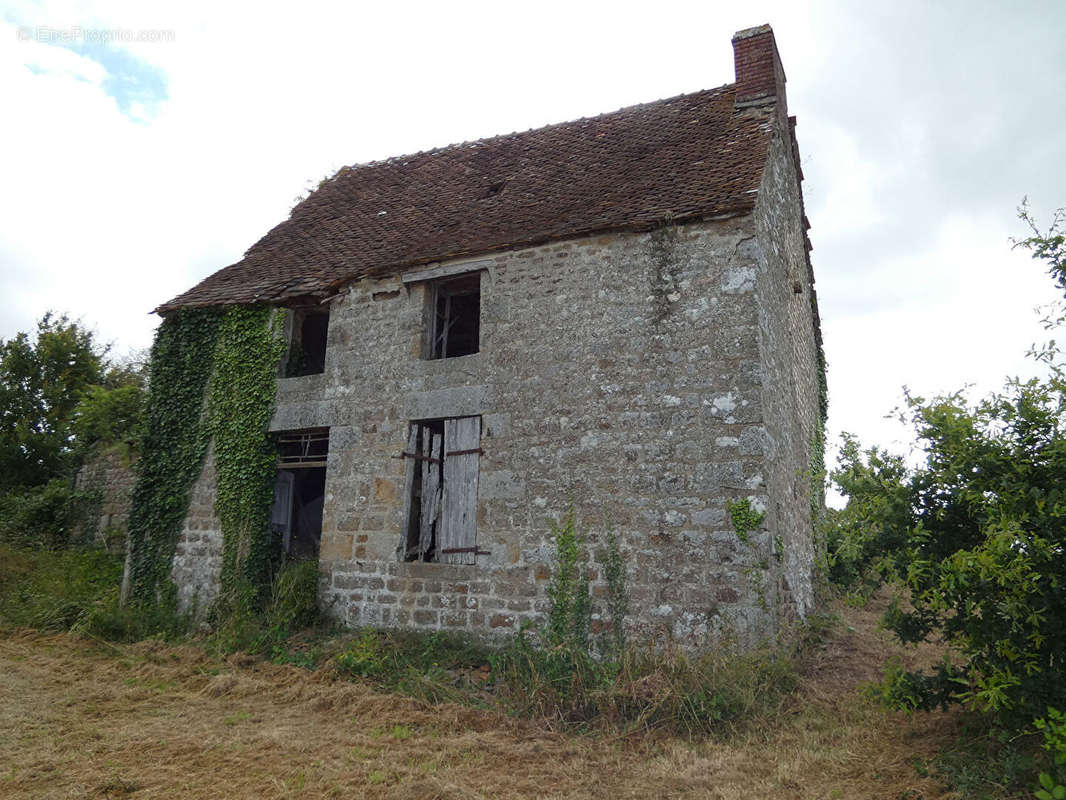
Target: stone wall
[
  {"x": 789, "y": 354},
  {"x": 110, "y": 472},
  {"x": 198, "y": 556},
  {"x": 620, "y": 374},
  {"x": 643, "y": 379}
]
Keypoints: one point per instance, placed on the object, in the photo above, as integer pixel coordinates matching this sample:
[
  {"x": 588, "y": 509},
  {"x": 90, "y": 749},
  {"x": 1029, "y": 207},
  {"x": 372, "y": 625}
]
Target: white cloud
[{"x": 921, "y": 127}]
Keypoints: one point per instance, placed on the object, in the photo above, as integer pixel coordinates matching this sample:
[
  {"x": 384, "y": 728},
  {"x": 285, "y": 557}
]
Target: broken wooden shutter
[
  {"x": 431, "y": 488},
  {"x": 408, "y": 495},
  {"x": 281, "y": 511},
  {"x": 456, "y": 538}
]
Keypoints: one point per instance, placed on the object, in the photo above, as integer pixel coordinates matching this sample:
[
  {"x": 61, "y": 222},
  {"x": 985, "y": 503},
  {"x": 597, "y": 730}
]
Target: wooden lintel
[{"x": 446, "y": 270}]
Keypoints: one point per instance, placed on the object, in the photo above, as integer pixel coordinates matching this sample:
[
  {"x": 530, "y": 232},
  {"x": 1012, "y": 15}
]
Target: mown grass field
[{"x": 83, "y": 718}]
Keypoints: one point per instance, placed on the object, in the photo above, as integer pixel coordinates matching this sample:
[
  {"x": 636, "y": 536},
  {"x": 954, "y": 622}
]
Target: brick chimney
[{"x": 760, "y": 77}]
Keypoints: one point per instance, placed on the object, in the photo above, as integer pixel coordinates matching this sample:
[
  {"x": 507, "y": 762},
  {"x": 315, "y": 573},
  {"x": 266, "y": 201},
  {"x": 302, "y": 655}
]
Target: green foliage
[
  {"x": 745, "y": 518},
  {"x": 241, "y": 404},
  {"x": 77, "y": 590},
  {"x": 571, "y": 608},
  {"x": 49, "y": 516},
  {"x": 865, "y": 539},
  {"x": 173, "y": 448},
  {"x": 976, "y": 534},
  {"x": 433, "y": 667},
  {"x": 1053, "y": 726},
  {"x": 231, "y": 358},
  {"x": 42, "y": 381},
  {"x": 55, "y": 591},
  {"x": 984, "y": 764},
  {"x": 292, "y": 606},
  {"x": 692, "y": 695},
  {"x": 112, "y": 412},
  {"x": 614, "y": 572}
]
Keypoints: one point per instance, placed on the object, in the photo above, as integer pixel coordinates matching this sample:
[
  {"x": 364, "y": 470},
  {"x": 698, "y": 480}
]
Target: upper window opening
[
  {"x": 307, "y": 343},
  {"x": 456, "y": 317}
]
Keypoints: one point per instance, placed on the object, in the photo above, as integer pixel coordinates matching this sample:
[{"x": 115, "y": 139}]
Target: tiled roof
[{"x": 681, "y": 158}]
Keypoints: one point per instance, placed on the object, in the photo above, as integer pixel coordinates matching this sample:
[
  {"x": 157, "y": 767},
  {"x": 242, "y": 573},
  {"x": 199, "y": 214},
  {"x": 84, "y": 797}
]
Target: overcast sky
[{"x": 132, "y": 169}]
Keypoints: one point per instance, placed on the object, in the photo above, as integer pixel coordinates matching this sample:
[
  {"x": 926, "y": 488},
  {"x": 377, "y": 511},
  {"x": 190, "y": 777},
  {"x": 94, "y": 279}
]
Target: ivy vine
[
  {"x": 745, "y": 519},
  {"x": 818, "y": 439},
  {"x": 173, "y": 447},
  {"x": 250, "y": 345},
  {"x": 227, "y": 358}
]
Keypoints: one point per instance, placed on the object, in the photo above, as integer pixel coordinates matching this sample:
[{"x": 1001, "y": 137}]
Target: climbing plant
[
  {"x": 174, "y": 443},
  {"x": 745, "y": 519},
  {"x": 250, "y": 345}
]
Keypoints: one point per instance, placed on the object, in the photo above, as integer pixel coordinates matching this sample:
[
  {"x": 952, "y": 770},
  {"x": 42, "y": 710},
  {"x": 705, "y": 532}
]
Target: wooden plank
[
  {"x": 445, "y": 271},
  {"x": 430, "y": 490},
  {"x": 459, "y": 502},
  {"x": 408, "y": 489}
]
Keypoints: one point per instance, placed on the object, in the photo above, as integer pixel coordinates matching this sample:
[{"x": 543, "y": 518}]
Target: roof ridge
[{"x": 496, "y": 137}]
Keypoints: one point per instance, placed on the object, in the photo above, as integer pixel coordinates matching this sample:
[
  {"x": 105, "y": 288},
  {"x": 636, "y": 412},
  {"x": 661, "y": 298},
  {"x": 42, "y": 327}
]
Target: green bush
[
  {"x": 49, "y": 516},
  {"x": 976, "y": 534},
  {"x": 292, "y": 606}
]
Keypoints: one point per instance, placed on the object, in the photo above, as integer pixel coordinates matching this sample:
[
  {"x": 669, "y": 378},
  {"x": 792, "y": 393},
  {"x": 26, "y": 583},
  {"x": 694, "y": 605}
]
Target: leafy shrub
[
  {"x": 1053, "y": 727},
  {"x": 48, "y": 516},
  {"x": 976, "y": 534},
  {"x": 292, "y": 606}
]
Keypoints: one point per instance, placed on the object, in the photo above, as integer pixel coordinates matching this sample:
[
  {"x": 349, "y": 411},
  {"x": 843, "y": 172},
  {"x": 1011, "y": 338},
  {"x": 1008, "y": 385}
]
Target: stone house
[{"x": 615, "y": 314}]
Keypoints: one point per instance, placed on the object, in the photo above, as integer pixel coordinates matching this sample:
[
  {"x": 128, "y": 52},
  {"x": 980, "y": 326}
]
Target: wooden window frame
[
  {"x": 440, "y": 491},
  {"x": 442, "y": 293}
]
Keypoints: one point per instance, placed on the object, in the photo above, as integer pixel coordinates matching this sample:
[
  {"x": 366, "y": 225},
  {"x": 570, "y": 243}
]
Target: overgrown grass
[
  {"x": 56, "y": 590},
  {"x": 272, "y": 631},
  {"x": 687, "y": 694},
  {"x": 77, "y": 590},
  {"x": 434, "y": 667}
]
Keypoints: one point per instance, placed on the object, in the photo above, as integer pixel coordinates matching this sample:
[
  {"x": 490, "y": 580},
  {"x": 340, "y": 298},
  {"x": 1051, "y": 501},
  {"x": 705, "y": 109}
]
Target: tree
[
  {"x": 977, "y": 534},
  {"x": 42, "y": 382}
]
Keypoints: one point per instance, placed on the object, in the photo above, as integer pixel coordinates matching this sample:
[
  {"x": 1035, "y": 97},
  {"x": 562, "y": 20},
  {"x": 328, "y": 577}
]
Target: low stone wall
[{"x": 110, "y": 472}]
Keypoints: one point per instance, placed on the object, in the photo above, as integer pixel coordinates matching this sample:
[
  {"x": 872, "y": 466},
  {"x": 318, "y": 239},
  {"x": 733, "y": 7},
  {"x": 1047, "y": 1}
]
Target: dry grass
[{"x": 82, "y": 719}]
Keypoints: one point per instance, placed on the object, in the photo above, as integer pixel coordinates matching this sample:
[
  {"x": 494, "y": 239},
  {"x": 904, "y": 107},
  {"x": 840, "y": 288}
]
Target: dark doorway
[{"x": 299, "y": 491}]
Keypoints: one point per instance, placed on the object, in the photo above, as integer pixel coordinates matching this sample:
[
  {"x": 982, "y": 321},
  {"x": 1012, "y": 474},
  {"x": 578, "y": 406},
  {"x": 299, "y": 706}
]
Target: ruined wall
[
  {"x": 109, "y": 472},
  {"x": 789, "y": 354},
  {"x": 618, "y": 373},
  {"x": 198, "y": 557}
]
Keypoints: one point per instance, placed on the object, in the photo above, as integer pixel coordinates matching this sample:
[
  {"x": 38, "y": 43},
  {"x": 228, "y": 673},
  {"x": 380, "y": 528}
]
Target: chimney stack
[{"x": 760, "y": 77}]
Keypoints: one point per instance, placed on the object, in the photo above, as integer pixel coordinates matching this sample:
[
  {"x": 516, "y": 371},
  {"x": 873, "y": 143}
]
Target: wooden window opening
[
  {"x": 441, "y": 490},
  {"x": 456, "y": 329}
]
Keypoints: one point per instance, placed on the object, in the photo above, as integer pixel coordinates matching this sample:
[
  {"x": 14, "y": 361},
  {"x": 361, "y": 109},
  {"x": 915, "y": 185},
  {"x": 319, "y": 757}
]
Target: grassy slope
[{"x": 85, "y": 719}]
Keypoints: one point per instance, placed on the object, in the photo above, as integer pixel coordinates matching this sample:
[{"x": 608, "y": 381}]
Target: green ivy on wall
[
  {"x": 229, "y": 359},
  {"x": 818, "y": 440},
  {"x": 174, "y": 443},
  {"x": 241, "y": 403}
]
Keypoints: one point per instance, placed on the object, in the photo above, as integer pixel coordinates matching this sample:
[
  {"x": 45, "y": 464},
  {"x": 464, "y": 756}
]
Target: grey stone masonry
[
  {"x": 644, "y": 380},
  {"x": 198, "y": 556},
  {"x": 624, "y": 376},
  {"x": 109, "y": 472}
]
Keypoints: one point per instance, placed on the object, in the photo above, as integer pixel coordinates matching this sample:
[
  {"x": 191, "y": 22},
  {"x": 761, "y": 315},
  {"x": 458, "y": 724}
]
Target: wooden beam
[{"x": 445, "y": 271}]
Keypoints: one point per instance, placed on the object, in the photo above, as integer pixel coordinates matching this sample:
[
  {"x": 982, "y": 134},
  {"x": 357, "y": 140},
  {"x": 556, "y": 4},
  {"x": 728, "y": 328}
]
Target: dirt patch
[{"x": 151, "y": 721}]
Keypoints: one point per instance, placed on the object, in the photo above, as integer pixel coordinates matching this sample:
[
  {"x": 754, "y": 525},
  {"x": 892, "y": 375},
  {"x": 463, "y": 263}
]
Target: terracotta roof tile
[{"x": 681, "y": 158}]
